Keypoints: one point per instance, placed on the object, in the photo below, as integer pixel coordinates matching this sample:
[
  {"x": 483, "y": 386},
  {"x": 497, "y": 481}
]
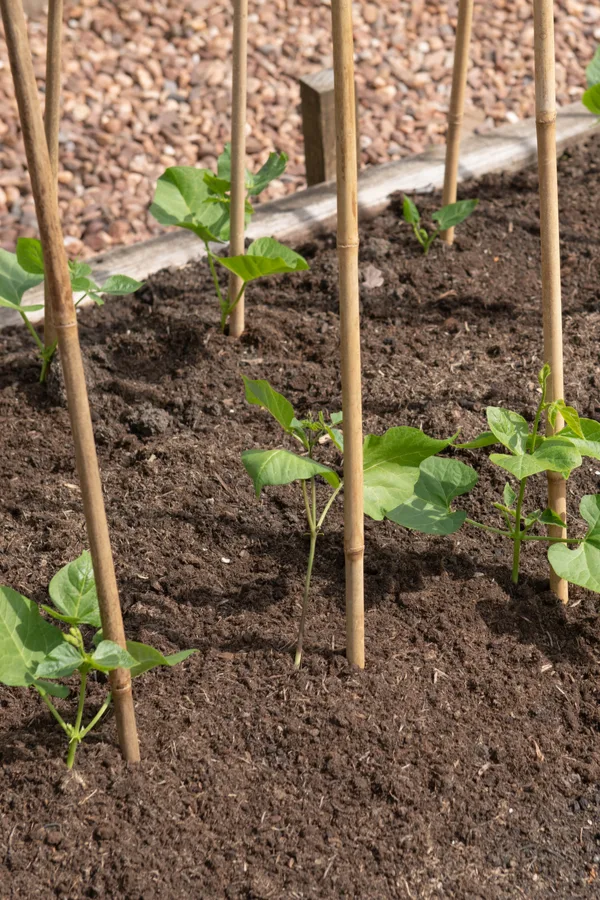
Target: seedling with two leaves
[
  {"x": 447, "y": 217},
  {"x": 390, "y": 467},
  {"x": 34, "y": 653},
  {"x": 442, "y": 481},
  {"x": 23, "y": 270},
  {"x": 200, "y": 201},
  {"x": 591, "y": 97}
]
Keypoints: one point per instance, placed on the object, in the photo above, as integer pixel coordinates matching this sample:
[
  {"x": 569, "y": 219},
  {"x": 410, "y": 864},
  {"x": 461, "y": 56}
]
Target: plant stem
[
  {"x": 329, "y": 504},
  {"x": 518, "y": 533},
  {"x": 77, "y": 727},
  {"x": 96, "y": 718},
  {"x": 488, "y": 528},
  {"x": 33, "y": 333},
  {"x": 54, "y": 711},
  {"x": 47, "y": 357},
  {"x": 552, "y": 540},
  {"x": 311, "y": 557},
  {"x": 214, "y": 275}
]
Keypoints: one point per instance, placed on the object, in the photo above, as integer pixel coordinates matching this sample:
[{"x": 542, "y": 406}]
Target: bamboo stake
[
  {"x": 347, "y": 246},
  {"x": 238, "y": 158},
  {"x": 545, "y": 117},
  {"x": 52, "y": 125},
  {"x": 65, "y": 320},
  {"x": 457, "y": 106}
]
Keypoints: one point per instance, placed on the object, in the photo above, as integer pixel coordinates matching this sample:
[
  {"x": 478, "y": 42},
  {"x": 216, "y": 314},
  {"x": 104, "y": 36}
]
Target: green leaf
[
  {"x": 6, "y": 304},
  {"x": 336, "y": 418},
  {"x": 108, "y": 656},
  {"x": 25, "y": 638},
  {"x": 119, "y": 285},
  {"x": 428, "y": 510},
  {"x": 83, "y": 284},
  {"x": 582, "y": 565},
  {"x": 273, "y": 168},
  {"x": 48, "y": 687},
  {"x": 410, "y": 211},
  {"x": 61, "y": 662},
  {"x": 551, "y": 456},
  {"x": 509, "y": 428},
  {"x": 30, "y": 256},
  {"x": 549, "y": 517},
  {"x": 509, "y": 496},
  {"x": 533, "y": 517},
  {"x": 147, "y": 657},
  {"x": 78, "y": 269},
  {"x": 454, "y": 213},
  {"x": 569, "y": 414},
  {"x": 390, "y": 466},
  {"x": 591, "y": 99},
  {"x": 15, "y": 281},
  {"x": 182, "y": 198},
  {"x": 267, "y": 467},
  {"x": 265, "y": 256},
  {"x": 590, "y": 445},
  {"x": 486, "y": 439},
  {"x": 260, "y": 393},
  {"x": 592, "y": 72},
  {"x": 73, "y": 592},
  {"x": 218, "y": 186}
]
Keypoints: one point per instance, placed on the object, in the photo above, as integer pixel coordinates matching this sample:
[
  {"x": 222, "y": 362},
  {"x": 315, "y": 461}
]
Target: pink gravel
[{"x": 147, "y": 85}]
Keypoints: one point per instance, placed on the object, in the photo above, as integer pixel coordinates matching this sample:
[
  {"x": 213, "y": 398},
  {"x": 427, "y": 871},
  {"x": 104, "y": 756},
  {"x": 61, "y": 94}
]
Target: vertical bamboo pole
[
  {"x": 52, "y": 125},
  {"x": 347, "y": 246},
  {"x": 457, "y": 106},
  {"x": 238, "y": 157},
  {"x": 65, "y": 321},
  {"x": 545, "y": 117}
]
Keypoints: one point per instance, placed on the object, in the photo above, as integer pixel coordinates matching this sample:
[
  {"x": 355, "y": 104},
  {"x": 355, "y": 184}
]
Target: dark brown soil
[{"x": 464, "y": 761}]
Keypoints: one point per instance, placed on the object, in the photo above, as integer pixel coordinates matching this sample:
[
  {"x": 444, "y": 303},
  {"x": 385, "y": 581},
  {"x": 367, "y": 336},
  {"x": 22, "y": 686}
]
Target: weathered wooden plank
[
  {"x": 318, "y": 126},
  {"x": 293, "y": 218}
]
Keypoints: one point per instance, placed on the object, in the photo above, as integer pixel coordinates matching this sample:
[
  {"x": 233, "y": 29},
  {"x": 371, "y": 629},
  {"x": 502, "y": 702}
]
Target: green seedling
[
  {"x": 390, "y": 466},
  {"x": 591, "y": 97},
  {"x": 200, "y": 201},
  {"x": 23, "y": 270},
  {"x": 35, "y": 653},
  {"x": 447, "y": 217},
  {"x": 442, "y": 481}
]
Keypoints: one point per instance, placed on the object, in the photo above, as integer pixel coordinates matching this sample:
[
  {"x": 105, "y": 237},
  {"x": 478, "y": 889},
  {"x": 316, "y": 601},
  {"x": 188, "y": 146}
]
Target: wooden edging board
[{"x": 507, "y": 148}]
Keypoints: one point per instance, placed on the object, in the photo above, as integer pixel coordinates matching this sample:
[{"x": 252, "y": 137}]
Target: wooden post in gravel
[
  {"x": 52, "y": 125},
  {"x": 65, "y": 320},
  {"x": 545, "y": 118},
  {"x": 238, "y": 158},
  {"x": 347, "y": 246},
  {"x": 457, "y": 106}
]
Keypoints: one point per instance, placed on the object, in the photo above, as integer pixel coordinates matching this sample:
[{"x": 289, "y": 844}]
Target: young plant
[
  {"x": 34, "y": 653},
  {"x": 23, "y": 270},
  {"x": 441, "y": 481},
  {"x": 199, "y": 200},
  {"x": 390, "y": 467},
  {"x": 591, "y": 97},
  {"x": 447, "y": 217}
]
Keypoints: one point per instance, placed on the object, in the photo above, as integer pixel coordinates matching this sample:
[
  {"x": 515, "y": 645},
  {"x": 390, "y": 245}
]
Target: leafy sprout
[
  {"x": 35, "y": 653},
  {"x": 442, "y": 481},
  {"x": 24, "y": 270},
  {"x": 591, "y": 97},
  {"x": 390, "y": 467},
  {"x": 200, "y": 201},
  {"x": 447, "y": 217}
]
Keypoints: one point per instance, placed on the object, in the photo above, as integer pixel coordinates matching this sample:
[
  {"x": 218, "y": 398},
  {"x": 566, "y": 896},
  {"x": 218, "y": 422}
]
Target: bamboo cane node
[
  {"x": 354, "y": 552},
  {"x": 347, "y": 246},
  {"x": 63, "y": 326},
  {"x": 455, "y": 119},
  {"x": 546, "y": 118},
  {"x": 121, "y": 690}
]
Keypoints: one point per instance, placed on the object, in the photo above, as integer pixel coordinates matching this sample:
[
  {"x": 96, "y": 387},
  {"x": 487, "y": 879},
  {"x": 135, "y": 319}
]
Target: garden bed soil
[{"x": 464, "y": 761}]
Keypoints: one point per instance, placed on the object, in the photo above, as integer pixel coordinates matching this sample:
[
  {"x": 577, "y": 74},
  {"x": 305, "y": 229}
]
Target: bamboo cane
[
  {"x": 238, "y": 158},
  {"x": 52, "y": 125},
  {"x": 457, "y": 106},
  {"x": 65, "y": 320},
  {"x": 347, "y": 246},
  {"x": 545, "y": 117}
]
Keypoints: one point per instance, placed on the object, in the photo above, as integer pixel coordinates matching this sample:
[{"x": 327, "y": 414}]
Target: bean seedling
[
  {"x": 23, "y": 270},
  {"x": 34, "y": 653},
  {"x": 199, "y": 200},
  {"x": 441, "y": 481},
  {"x": 447, "y": 217},
  {"x": 591, "y": 97},
  {"x": 390, "y": 464}
]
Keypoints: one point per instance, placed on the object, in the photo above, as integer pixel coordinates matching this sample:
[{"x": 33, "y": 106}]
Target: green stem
[
  {"x": 311, "y": 516},
  {"x": 329, "y": 504},
  {"x": 54, "y": 711},
  {"x": 33, "y": 333},
  {"x": 552, "y": 540},
  {"x": 227, "y": 309},
  {"x": 75, "y": 740},
  {"x": 96, "y": 718},
  {"x": 518, "y": 534},
  {"x": 47, "y": 357},
  {"x": 214, "y": 275},
  {"x": 488, "y": 528}
]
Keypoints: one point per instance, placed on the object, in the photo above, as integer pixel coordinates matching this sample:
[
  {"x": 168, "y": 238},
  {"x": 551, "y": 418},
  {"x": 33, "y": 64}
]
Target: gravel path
[{"x": 149, "y": 86}]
